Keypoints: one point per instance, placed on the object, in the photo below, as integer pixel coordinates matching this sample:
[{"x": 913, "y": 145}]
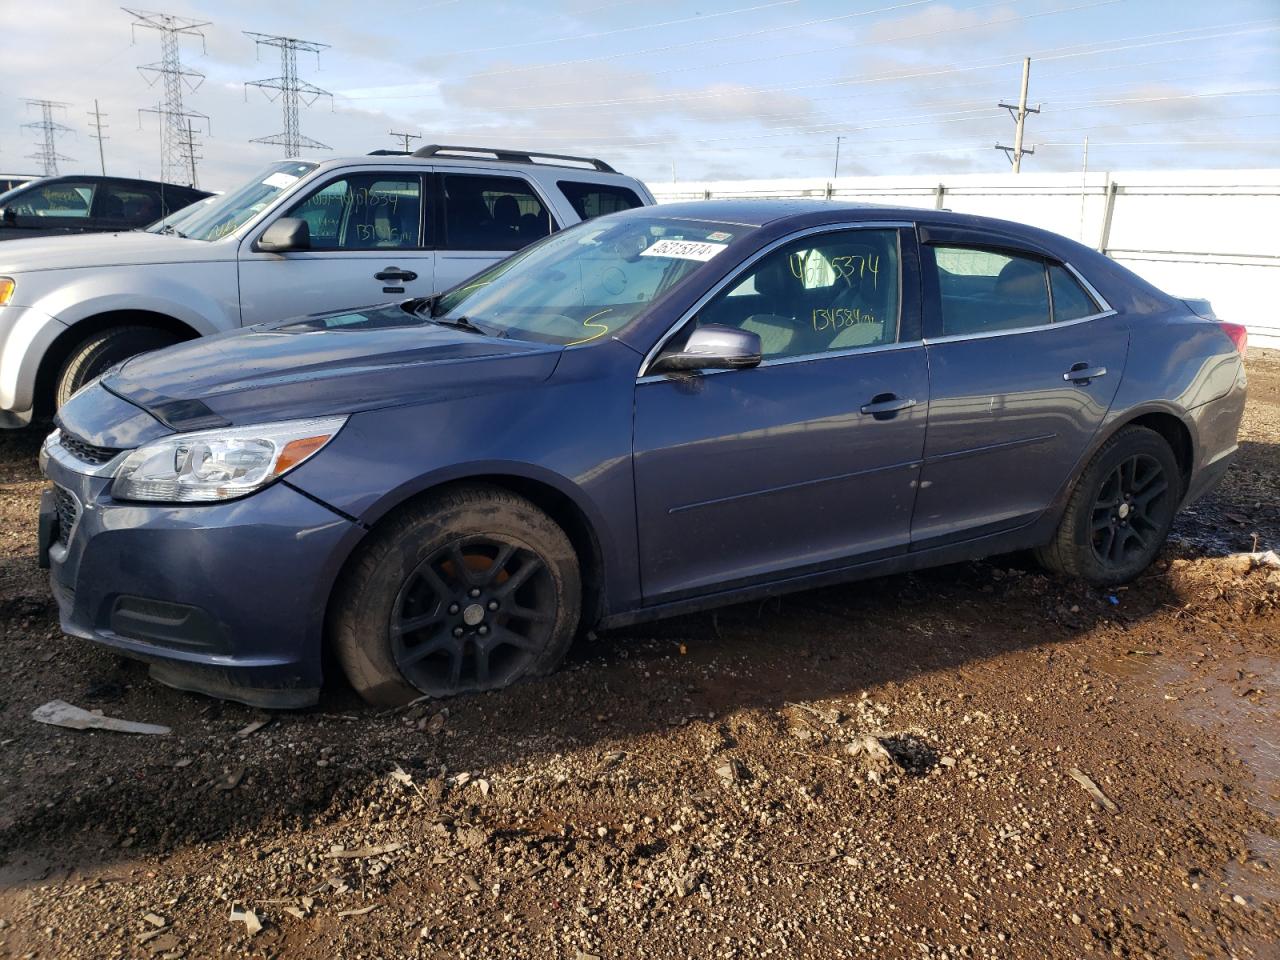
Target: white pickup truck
[{"x": 299, "y": 238}]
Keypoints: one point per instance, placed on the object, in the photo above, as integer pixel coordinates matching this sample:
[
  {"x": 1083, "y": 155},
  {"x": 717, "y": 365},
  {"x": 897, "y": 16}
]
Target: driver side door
[
  {"x": 370, "y": 244},
  {"x": 808, "y": 461}
]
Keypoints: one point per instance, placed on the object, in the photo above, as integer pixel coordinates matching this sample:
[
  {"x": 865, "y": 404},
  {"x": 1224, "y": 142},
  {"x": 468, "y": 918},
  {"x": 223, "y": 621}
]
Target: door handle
[
  {"x": 395, "y": 273},
  {"x": 1083, "y": 373},
  {"x": 885, "y": 406}
]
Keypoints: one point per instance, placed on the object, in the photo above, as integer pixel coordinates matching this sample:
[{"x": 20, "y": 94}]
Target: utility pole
[
  {"x": 290, "y": 91},
  {"x": 836, "y": 172},
  {"x": 1019, "y": 114},
  {"x": 406, "y": 137},
  {"x": 99, "y": 126},
  {"x": 177, "y": 153},
  {"x": 47, "y": 150}
]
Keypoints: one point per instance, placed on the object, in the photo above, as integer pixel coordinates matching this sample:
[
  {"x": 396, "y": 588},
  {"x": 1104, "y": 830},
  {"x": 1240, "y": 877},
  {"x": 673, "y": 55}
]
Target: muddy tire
[
  {"x": 102, "y": 350},
  {"x": 1120, "y": 511},
  {"x": 469, "y": 590}
]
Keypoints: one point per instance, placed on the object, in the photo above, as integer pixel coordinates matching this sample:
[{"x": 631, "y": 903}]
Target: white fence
[{"x": 1199, "y": 233}]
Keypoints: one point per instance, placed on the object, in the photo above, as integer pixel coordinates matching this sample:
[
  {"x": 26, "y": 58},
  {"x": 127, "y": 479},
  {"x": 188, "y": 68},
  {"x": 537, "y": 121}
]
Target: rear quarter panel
[{"x": 1186, "y": 366}]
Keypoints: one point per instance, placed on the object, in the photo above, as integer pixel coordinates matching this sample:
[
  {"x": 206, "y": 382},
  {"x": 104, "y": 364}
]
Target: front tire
[
  {"x": 1120, "y": 511},
  {"x": 469, "y": 590},
  {"x": 102, "y": 350}
]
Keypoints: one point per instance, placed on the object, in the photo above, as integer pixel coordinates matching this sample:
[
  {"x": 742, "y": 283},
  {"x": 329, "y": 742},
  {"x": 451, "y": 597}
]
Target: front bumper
[{"x": 226, "y": 599}]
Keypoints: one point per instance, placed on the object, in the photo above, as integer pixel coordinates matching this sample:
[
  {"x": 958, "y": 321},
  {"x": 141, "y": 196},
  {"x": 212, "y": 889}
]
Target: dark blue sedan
[{"x": 651, "y": 413}]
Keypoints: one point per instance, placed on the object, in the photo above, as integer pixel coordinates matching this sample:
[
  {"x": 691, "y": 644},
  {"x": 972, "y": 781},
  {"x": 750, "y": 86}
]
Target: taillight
[{"x": 1239, "y": 335}]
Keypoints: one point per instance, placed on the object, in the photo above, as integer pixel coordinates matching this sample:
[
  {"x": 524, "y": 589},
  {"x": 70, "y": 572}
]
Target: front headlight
[
  {"x": 6, "y": 290},
  {"x": 220, "y": 464}
]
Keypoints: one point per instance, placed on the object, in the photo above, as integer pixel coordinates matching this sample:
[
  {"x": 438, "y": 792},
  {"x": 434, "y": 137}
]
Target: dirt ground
[{"x": 1052, "y": 771}]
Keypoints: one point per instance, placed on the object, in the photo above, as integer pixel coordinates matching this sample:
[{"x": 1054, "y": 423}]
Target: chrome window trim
[
  {"x": 642, "y": 376},
  {"x": 1106, "y": 311}
]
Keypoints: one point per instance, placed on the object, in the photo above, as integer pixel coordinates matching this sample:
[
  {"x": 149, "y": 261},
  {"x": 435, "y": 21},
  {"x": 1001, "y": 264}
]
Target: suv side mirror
[
  {"x": 713, "y": 347},
  {"x": 287, "y": 233}
]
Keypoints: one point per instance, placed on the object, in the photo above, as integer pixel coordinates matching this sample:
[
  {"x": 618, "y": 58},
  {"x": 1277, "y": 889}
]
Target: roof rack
[{"x": 511, "y": 156}]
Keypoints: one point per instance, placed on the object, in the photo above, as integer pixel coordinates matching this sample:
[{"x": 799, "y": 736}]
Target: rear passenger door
[
  {"x": 483, "y": 218},
  {"x": 370, "y": 243},
  {"x": 1024, "y": 360}
]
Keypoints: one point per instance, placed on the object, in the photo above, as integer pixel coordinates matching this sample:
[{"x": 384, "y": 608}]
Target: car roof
[
  {"x": 100, "y": 178},
  {"x": 472, "y": 163},
  {"x": 785, "y": 214}
]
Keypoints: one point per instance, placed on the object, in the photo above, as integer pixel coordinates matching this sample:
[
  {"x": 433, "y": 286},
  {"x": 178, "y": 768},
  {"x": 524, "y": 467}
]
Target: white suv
[{"x": 301, "y": 237}]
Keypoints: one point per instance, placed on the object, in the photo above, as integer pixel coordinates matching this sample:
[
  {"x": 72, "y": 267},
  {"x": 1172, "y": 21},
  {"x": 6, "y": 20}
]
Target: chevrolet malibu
[{"x": 650, "y": 413}]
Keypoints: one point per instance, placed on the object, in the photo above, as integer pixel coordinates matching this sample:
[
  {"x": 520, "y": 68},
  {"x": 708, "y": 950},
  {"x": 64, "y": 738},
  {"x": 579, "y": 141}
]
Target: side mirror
[
  {"x": 713, "y": 347},
  {"x": 287, "y": 233}
]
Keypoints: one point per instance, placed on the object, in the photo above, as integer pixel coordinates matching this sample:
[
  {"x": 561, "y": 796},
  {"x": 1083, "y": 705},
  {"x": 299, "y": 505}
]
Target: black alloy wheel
[
  {"x": 468, "y": 589},
  {"x": 473, "y": 615},
  {"x": 1120, "y": 510},
  {"x": 1129, "y": 513}
]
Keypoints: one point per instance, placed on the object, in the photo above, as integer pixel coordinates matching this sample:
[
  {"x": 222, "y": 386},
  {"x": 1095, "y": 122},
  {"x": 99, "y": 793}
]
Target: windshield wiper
[
  {"x": 466, "y": 323},
  {"x": 170, "y": 228}
]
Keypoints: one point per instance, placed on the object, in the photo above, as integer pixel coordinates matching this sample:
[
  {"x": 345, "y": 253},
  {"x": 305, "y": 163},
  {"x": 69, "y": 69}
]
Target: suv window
[
  {"x": 596, "y": 199},
  {"x": 66, "y": 198},
  {"x": 1070, "y": 301},
  {"x": 132, "y": 204},
  {"x": 492, "y": 213},
  {"x": 363, "y": 211},
  {"x": 837, "y": 291},
  {"x": 983, "y": 290}
]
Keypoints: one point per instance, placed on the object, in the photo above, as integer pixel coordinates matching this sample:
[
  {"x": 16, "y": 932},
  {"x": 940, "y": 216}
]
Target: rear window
[{"x": 596, "y": 199}]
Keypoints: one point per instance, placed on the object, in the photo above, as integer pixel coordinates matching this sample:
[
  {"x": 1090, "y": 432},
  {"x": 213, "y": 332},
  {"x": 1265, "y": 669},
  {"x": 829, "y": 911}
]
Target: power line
[
  {"x": 667, "y": 48},
  {"x": 632, "y": 29},
  {"x": 99, "y": 126},
  {"x": 1071, "y": 51},
  {"x": 290, "y": 91},
  {"x": 1019, "y": 114},
  {"x": 177, "y": 152},
  {"x": 47, "y": 149}
]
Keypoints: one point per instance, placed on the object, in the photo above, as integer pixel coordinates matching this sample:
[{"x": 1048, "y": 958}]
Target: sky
[{"x": 663, "y": 89}]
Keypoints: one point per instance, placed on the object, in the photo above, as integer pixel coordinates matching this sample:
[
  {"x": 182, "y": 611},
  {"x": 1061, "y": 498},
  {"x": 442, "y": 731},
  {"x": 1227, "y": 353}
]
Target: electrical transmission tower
[
  {"x": 406, "y": 137},
  {"x": 99, "y": 126},
  {"x": 177, "y": 153},
  {"x": 1019, "y": 114},
  {"x": 290, "y": 91},
  {"x": 47, "y": 150}
]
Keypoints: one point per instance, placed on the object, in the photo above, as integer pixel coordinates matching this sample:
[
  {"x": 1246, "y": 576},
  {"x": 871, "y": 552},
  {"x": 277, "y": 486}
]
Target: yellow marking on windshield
[{"x": 603, "y": 327}]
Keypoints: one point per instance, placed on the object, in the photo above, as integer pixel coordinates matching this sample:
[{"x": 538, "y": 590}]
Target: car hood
[
  {"x": 327, "y": 364},
  {"x": 128, "y": 248}
]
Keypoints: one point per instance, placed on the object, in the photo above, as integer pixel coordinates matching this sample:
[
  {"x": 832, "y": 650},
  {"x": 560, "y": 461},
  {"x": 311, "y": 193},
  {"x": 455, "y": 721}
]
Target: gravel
[{"x": 885, "y": 769}]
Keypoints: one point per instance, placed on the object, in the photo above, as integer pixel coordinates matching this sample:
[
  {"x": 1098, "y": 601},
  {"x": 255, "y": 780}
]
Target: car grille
[
  {"x": 68, "y": 511},
  {"x": 86, "y": 451}
]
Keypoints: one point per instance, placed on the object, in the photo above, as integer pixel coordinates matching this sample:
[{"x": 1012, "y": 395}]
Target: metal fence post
[
  {"x": 1108, "y": 210},
  {"x": 939, "y": 192}
]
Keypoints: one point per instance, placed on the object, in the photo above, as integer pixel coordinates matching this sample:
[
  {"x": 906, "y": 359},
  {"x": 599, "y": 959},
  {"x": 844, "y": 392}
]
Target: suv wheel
[
  {"x": 468, "y": 591},
  {"x": 100, "y": 351},
  {"x": 1120, "y": 511}
]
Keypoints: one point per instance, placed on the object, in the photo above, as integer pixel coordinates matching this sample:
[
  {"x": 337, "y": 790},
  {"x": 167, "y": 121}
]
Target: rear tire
[
  {"x": 102, "y": 350},
  {"x": 469, "y": 590},
  {"x": 1120, "y": 511}
]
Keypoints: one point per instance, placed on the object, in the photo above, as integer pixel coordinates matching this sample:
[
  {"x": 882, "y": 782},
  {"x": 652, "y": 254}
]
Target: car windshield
[
  {"x": 587, "y": 282},
  {"x": 214, "y": 220}
]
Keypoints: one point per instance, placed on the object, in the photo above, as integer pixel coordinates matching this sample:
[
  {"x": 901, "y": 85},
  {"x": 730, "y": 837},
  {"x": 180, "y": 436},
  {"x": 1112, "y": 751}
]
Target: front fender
[
  {"x": 25, "y": 335},
  {"x": 204, "y": 296}
]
